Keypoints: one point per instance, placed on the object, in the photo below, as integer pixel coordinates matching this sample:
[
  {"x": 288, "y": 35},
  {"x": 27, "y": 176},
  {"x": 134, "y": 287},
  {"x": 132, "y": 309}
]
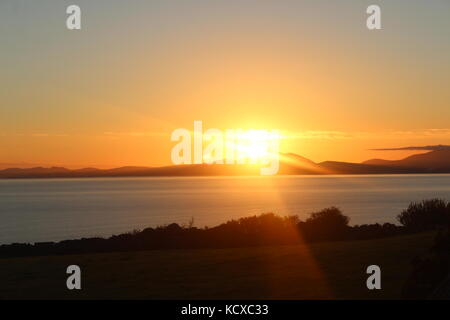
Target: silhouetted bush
[
  {"x": 426, "y": 215},
  {"x": 327, "y": 224},
  {"x": 373, "y": 231}
]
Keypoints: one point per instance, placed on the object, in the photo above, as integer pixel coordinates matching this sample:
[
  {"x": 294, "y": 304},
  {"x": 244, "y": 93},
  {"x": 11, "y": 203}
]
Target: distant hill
[
  {"x": 336, "y": 167},
  {"x": 434, "y": 160},
  {"x": 290, "y": 164}
]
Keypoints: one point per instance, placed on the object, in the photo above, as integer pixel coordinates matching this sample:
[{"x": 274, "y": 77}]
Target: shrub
[
  {"x": 425, "y": 215},
  {"x": 327, "y": 224}
]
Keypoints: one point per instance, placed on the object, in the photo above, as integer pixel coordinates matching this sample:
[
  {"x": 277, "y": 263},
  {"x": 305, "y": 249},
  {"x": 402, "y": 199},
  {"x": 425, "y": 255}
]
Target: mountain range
[{"x": 437, "y": 161}]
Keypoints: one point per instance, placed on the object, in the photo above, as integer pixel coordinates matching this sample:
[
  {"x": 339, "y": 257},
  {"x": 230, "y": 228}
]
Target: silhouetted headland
[{"x": 437, "y": 161}]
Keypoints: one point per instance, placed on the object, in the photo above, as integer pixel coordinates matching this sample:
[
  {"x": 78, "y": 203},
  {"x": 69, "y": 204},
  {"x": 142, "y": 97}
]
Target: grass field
[{"x": 319, "y": 271}]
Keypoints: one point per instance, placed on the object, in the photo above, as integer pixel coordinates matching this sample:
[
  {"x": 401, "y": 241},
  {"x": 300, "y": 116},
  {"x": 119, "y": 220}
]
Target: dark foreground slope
[{"x": 319, "y": 271}]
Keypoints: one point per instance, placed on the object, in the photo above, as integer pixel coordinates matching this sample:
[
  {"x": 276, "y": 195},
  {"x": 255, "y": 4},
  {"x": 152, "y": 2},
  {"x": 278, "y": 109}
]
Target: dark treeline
[{"x": 267, "y": 229}]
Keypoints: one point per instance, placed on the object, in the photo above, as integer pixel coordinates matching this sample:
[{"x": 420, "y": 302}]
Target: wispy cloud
[
  {"x": 330, "y": 134},
  {"x": 443, "y": 133},
  {"x": 35, "y": 135},
  {"x": 319, "y": 134},
  {"x": 48, "y": 135},
  {"x": 426, "y": 148},
  {"x": 136, "y": 134}
]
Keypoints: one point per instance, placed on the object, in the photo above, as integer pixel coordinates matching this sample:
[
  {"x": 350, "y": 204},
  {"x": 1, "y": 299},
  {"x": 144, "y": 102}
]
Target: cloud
[
  {"x": 319, "y": 134},
  {"x": 412, "y": 134},
  {"x": 136, "y": 134},
  {"x": 427, "y": 148}
]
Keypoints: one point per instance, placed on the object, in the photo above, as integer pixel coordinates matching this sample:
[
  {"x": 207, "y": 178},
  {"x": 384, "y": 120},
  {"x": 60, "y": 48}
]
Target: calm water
[{"x": 43, "y": 210}]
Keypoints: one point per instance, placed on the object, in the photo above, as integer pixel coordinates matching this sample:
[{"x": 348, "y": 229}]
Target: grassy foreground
[{"x": 319, "y": 271}]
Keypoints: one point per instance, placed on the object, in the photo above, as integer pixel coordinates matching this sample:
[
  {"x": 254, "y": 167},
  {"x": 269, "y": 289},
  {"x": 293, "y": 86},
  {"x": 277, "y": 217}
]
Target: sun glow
[
  {"x": 231, "y": 146},
  {"x": 255, "y": 145}
]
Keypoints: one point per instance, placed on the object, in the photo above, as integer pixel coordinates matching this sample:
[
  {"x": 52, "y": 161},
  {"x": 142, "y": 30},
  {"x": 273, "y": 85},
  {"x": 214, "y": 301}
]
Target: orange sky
[{"x": 111, "y": 94}]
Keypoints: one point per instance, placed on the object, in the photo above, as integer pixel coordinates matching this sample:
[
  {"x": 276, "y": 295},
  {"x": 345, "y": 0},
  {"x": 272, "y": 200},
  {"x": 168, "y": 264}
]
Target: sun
[{"x": 255, "y": 145}]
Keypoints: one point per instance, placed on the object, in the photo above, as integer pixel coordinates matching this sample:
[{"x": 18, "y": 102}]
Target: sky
[{"x": 111, "y": 93}]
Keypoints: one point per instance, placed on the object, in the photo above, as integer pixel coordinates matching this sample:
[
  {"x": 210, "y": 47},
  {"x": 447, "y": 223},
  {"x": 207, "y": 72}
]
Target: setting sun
[{"x": 256, "y": 145}]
